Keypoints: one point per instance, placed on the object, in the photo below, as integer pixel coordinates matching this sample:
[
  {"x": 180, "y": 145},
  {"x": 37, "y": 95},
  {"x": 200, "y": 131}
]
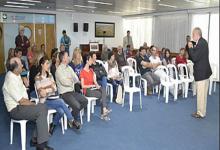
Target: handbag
[{"x": 99, "y": 71}]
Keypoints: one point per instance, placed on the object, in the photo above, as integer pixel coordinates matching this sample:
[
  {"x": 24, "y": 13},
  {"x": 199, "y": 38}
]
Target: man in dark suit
[{"x": 202, "y": 70}]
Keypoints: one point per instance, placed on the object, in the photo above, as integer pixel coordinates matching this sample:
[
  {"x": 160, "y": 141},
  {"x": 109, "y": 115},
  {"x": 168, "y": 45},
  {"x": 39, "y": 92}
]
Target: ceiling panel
[{"x": 116, "y": 7}]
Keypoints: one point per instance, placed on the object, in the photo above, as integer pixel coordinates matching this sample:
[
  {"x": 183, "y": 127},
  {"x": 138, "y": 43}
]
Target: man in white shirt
[
  {"x": 66, "y": 78},
  {"x": 21, "y": 108}
]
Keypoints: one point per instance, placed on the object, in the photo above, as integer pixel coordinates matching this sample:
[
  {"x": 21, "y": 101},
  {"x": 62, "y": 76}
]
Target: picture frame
[
  {"x": 94, "y": 46},
  {"x": 104, "y": 29}
]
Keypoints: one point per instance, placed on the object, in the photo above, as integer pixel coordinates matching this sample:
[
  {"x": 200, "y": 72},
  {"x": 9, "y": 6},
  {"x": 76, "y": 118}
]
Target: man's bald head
[{"x": 15, "y": 65}]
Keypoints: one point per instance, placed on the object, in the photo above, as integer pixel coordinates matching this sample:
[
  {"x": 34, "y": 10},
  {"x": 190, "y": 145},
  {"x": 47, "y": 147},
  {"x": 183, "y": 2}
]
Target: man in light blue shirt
[{"x": 66, "y": 41}]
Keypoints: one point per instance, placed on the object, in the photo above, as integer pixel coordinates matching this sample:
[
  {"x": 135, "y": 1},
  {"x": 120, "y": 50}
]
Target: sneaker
[
  {"x": 75, "y": 124},
  {"x": 52, "y": 128},
  {"x": 106, "y": 118}
]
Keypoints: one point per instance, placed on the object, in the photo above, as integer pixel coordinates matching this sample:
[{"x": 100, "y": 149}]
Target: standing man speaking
[{"x": 202, "y": 70}]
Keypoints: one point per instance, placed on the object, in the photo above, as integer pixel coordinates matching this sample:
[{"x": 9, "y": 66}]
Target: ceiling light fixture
[
  {"x": 32, "y": 1},
  {"x": 16, "y": 6},
  {"x": 96, "y": 2},
  {"x": 92, "y": 7},
  {"x": 145, "y": 8},
  {"x": 18, "y": 3},
  {"x": 114, "y": 12},
  {"x": 64, "y": 10},
  {"x": 166, "y": 5}
]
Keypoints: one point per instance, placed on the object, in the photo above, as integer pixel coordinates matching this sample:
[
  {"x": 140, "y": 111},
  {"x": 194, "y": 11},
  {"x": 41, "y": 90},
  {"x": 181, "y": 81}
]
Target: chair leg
[
  {"x": 11, "y": 132},
  {"x": 167, "y": 94},
  {"x": 210, "y": 86},
  {"x": 123, "y": 99},
  {"x": 131, "y": 100},
  {"x": 111, "y": 94},
  {"x": 81, "y": 114},
  {"x": 214, "y": 86},
  {"x": 62, "y": 126},
  {"x": 65, "y": 121},
  {"x": 140, "y": 100},
  {"x": 88, "y": 111},
  {"x": 23, "y": 135},
  {"x": 186, "y": 89}
]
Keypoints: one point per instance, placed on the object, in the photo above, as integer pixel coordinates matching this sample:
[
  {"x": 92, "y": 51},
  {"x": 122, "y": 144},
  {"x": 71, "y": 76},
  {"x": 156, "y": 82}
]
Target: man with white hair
[{"x": 202, "y": 70}]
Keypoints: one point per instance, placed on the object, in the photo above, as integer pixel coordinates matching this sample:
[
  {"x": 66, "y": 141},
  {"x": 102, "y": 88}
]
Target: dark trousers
[
  {"x": 76, "y": 101},
  {"x": 37, "y": 113},
  {"x": 100, "y": 94}
]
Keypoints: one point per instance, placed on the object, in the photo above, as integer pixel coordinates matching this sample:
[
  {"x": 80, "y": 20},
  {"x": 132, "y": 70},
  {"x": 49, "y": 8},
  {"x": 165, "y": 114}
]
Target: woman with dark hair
[
  {"x": 46, "y": 89},
  {"x": 11, "y": 53},
  {"x": 167, "y": 58},
  {"x": 114, "y": 76},
  {"x": 92, "y": 89},
  {"x": 54, "y": 64}
]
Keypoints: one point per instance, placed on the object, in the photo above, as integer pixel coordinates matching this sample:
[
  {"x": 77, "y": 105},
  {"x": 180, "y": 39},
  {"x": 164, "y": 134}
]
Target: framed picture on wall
[
  {"x": 104, "y": 29},
  {"x": 94, "y": 46}
]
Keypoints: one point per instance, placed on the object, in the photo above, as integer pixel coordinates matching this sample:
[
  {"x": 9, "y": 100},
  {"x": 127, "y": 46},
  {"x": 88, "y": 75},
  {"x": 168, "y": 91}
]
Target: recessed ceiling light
[
  {"x": 114, "y": 12},
  {"x": 92, "y": 7},
  {"x": 16, "y": 6},
  {"x": 166, "y": 5},
  {"x": 32, "y": 1},
  {"x": 96, "y": 2},
  {"x": 19, "y": 3},
  {"x": 145, "y": 8},
  {"x": 65, "y": 10}
]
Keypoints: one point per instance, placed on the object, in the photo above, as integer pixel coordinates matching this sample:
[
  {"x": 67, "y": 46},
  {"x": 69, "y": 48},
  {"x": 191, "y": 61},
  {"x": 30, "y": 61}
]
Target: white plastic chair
[
  {"x": 174, "y": 78},
  {"x": 50, "y": 114},
  {"x": 213, "y": 78},
  {"x": 90, "y": 106},
  {"x": 191, "y": 76},
  {"x": 109, "y": 88},
  {"x": 133, "y": 63},
  {"x": 22, "y": 129},
  {"x": 166, "y": 83},
  {"x": 185, "y": 78},
  {"x": 128, "y": 71}
]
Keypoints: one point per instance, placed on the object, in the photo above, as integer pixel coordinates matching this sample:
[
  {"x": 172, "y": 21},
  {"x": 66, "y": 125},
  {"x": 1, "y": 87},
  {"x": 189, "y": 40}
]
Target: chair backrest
[
  {"x": 172, "y": 71},
  {"x": 183, "y": 71},
  {"x": 127, "y": 72},
  {"x": 165, "y": 69},
  {"x": 104, "y": 64},
  {"x": 133, "y": 63},
  {"x": 100, "y": 62}
]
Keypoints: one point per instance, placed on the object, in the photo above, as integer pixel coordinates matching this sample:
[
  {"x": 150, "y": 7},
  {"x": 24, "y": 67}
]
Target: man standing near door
[
  {"x": 65, "y": 40},
  {"x": 23, "y": 42},
  {"x": 202, "y": 70},
  {"x": 127, "y": 43}
]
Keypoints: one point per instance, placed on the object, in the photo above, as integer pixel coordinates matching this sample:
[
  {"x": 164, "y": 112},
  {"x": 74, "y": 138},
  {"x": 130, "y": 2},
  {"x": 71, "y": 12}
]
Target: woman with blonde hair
[{"x": 77, "y": 62}]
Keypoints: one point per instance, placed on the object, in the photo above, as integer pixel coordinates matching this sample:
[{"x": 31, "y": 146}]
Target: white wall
[{"x": 65, "y": 20}]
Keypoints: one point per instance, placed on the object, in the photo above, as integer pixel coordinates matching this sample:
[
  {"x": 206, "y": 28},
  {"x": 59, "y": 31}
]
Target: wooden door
[
  {"x": 2, "y": 59},
  {"x": 50, "y": 38},
  {"x": 39, "y": 35}
]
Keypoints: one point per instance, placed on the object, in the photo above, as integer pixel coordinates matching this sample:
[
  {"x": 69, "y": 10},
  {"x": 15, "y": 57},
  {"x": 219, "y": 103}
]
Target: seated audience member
[
  {"x": 11, "y": 54},
  {"x": 101, "y": 74},
  {"x": 20, "y": 107},
  {"x": 114, "y": 76},
  {"x": 54, "y": 50},
  {"x": 120, "y": 58},
  {"x": 162, "y": 54},
  {"x": 145, "y": 45},
  {"x": 62, "y": 47},
  {"x": 148, "y": 52},
  {"x": 154, "y": 59},
  {"x": 77, "y": 62},
  {"x": 66, "y": 78},
  {"x": 181, "y": 59},
  {"x": 47, "y": 91},
  {"x": 42, "y": 48},
  {"x": 105, "y": 51},
  {"x": 167, "y": 58},
  {"x": 145, "y": 67},
  {"x": 128, "y": 52},
  {"x": 77, "y": 65},
  {"x": 18, "y": 54},
  {"x": 92, "y": 89},
  {"x": 54, "y": 64},
  {"x": 33, "y": 72},
  {"x": 30, "y": 54}
]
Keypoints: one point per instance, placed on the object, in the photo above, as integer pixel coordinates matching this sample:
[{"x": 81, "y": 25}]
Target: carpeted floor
[{"x": 158, "y": 126}]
